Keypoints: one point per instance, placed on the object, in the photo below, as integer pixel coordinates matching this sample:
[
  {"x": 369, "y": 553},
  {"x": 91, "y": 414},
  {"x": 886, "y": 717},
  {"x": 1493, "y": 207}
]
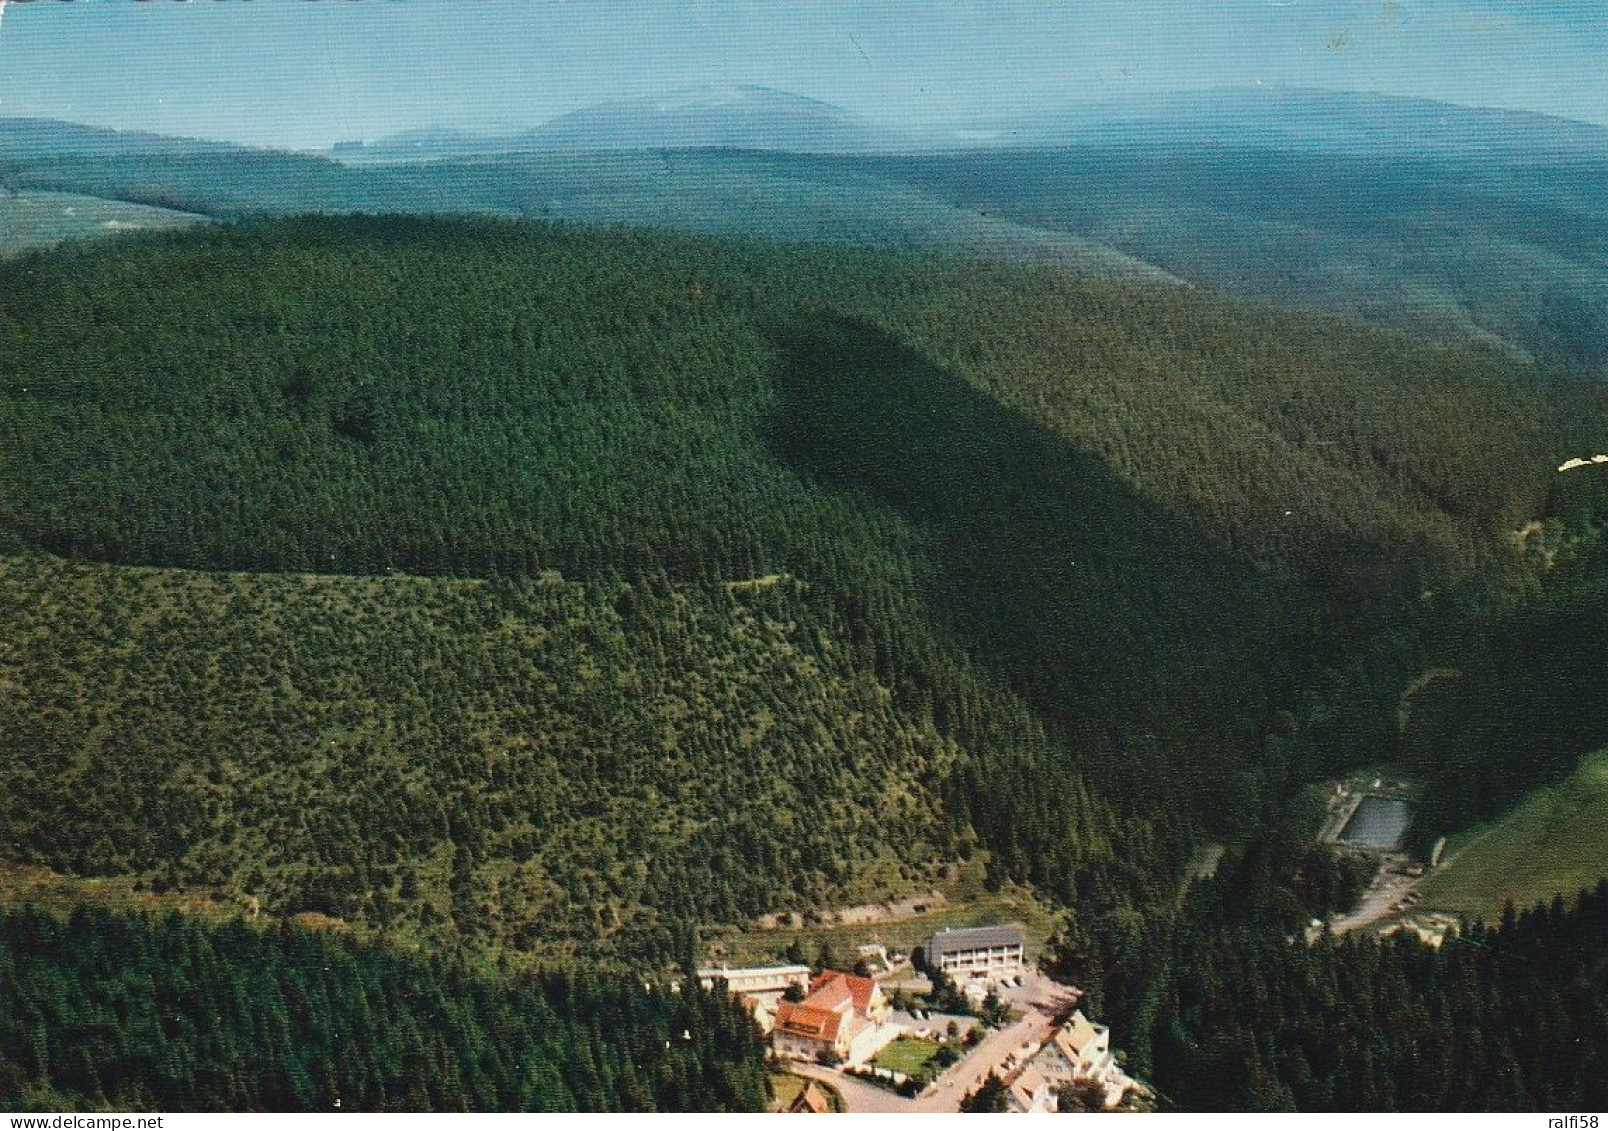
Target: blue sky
[{"x": 305, "y": 73}]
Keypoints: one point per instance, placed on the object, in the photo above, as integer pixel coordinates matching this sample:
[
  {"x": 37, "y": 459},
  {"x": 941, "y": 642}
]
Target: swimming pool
[{"x": 1379, "y": 822}]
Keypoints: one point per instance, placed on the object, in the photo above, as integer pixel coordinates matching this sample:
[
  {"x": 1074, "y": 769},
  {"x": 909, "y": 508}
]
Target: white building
[
  {"x": 1081, "y": 1050},
  {"x": 756, "y": 979},
  {"x": 976, "y": 952},
  {"x": 1031, "y": 1093},
  {"x": 844, "y": 1016},
  {"x": 759, "y": 988}
]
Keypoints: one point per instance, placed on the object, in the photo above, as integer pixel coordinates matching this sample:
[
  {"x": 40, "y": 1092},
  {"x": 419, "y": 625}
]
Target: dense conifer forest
[
  {"x": 129, "y": 1013},
  {"x": 542, "y": 764},
  {"x": 1437, "y": 242},
  {"x": 1227, "y": 1007},
  {"x": 561, "y": 592}
]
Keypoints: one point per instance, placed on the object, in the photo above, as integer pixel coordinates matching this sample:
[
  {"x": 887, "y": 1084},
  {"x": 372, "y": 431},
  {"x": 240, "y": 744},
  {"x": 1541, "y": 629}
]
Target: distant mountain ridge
[
  {"x": 760, "y": 118},
  {"x": 746, "y": 117},
  {"x": 37, "y": 137},
  {"x": 421, "y": 144},
  {"x": 704, "y": 117},
  {"x": 765, "y": 119},
  {"x": 1308, "y": 118}
]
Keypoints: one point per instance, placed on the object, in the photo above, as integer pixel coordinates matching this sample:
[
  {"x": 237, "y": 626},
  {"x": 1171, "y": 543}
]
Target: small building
[
  {"x": 811, "y": 1100},
  {"x": 870, "y": 952},
  {"x": 844, "y": 1017},
  {"x": 1030, "y": 1093},
  {"x": 762, "y": 1008},
  {"x": 977, "y": 952}
]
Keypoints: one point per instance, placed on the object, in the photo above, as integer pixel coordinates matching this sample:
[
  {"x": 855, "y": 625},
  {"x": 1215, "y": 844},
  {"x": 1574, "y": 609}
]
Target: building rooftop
[
  {"x": 972, "y": 938},
  {"x": 1027, "y": 1086},
  {"x": 729, "y": 972},
  {"x": 808, "y": 1021},
  {"x": 835, "y": 998},
  {"x": 1078, "y": 1034},
  {"x": 832, "y": 986},
  {"x": 811, "y": 1100}
]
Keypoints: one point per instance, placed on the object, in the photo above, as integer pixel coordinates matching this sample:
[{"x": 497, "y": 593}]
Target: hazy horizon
[{"x": 295, "y": 74}]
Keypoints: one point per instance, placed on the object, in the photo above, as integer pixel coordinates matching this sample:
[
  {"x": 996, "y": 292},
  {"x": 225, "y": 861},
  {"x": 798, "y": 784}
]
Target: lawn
[
  {"x": 1555, "y": 840},
  {"x": 907, "y": 1054}
]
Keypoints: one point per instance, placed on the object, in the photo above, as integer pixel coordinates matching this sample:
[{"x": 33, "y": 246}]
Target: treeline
[
  {"x": 1229, "y": 1007},
  {"x": 1517, "y": 696},
  {"x": 227, "y": 182},
  {"x": 130, "y": 1013}
]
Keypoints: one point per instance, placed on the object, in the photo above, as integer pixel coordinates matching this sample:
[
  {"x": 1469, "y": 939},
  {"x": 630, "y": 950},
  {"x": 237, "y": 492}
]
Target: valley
[{"x": 517, "y": 573}]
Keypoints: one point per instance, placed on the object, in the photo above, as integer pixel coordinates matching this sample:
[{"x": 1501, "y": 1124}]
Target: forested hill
[
  {"x": 1229, "y": 1009},
  {"x": 576, "y": 770},
  {"x": 340, "y": 384},
  {"x": 667, "y": 580},
  {"x": 1448, "y": 243},
  {"x": 129, "y": 1013}
]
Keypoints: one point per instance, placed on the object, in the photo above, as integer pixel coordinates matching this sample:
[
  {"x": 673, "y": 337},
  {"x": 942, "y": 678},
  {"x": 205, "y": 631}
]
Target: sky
[{"x": 306, "y": 73}]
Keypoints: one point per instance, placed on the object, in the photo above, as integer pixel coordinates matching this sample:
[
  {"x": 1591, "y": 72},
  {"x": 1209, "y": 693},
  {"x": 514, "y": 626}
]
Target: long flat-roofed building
[
  {"x": 977, "y": 952},
  {"x": 755, "y": 979}
]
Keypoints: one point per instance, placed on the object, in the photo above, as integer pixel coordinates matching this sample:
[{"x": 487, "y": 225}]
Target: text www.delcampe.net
[{"x": 87, "y": 1122}]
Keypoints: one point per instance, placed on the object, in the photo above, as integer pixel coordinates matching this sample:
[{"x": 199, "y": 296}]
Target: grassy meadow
[
  {"x": 39, "y": 219},
  {"x": 1556, "y": 840}
]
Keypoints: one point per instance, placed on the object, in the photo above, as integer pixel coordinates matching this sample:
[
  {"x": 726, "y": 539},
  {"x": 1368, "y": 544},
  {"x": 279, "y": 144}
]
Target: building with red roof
[{"x": 843, "y": 1017}]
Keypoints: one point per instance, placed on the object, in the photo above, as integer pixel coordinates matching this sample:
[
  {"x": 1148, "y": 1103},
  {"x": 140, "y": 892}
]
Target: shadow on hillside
[{"x": 1132, "y": 631}]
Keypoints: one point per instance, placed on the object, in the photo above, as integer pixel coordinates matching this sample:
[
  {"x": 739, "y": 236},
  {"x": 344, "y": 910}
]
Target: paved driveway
[
  {"x": 858, "y": 1096},
  {"x": 964, "y": 1077}
]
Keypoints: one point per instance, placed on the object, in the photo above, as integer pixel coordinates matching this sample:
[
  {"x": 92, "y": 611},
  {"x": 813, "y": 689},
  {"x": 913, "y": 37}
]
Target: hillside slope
[
  {"x": 1495, "y": 236},
  {"x": 867, "y": 562},
  {"x": 39, "y": 219},
  {"x": 1451, "y": 244},
  {"x": 111, "y": 1012},
  {"x": 423, "y": 362},
  {"x": 1555, "y": 841},
  {"x": 584, "y": 768}
]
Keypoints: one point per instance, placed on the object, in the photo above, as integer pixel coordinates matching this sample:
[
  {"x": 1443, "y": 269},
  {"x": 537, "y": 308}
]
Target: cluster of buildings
[
  {"x": 838, "y": 1018},
  {"x": 835, "y": 1017},
  {"x": 1079, "y": 1052}
]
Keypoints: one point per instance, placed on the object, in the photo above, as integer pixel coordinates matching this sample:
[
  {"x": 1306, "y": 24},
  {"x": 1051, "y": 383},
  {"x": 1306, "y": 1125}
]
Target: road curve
[{"x": 951, "y": 1087}]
